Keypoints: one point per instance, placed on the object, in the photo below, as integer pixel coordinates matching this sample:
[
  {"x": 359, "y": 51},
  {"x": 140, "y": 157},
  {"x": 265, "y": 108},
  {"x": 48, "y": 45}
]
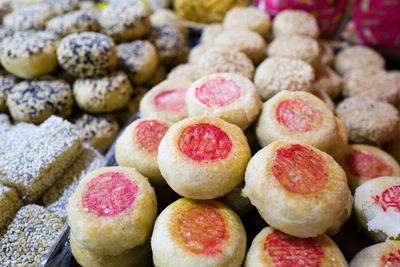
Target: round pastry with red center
[
  {"x": 203, "y": 157},
  {"x": 363, "y": 163},
  {"x": 137, "y": 147},
  {"x": 229, "y": 96},
  {"x": 298, "y": 116},
  {"x": 198, "y": 233},
  {"x": 112, "y": 210},
  {"x": 135, "y": 257},
  {"x": 298, "y": 189},
  {"x": 382, "y": 255},
  {"x": 377, "y": 207},
  {"x": 339, "y": 149},
  {"x": 273, "y": 248},
  {"x": 166, "y": 100}
]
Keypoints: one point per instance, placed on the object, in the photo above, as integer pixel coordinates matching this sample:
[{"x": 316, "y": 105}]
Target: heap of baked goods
[{"x": 263, "y": 123}]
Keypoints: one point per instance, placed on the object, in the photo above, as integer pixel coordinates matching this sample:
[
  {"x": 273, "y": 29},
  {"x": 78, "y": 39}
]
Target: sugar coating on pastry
[
  {"x": 7, "y": 81},
  {"x": 328, "y": 81},
  {"x": 112, "y": 209},
  {"x": 295, "y": 22},
  {"x": 371, "y": 82},
  {"x": 132, "y": 22},
  {"x": 166, "y": 100},
  {"x": 271, "y": 247},
  {"x": 327, "y": 54},
  {"x": 210, "y": 32},
  {"x": 297, "y": 189},
  {"x": 139, "y": 59},
  {"x": 138, "y": 256},
  {"x": 217, "y": 60},
  {"x": 104, "y": 94},
  {"x": 198, "y": 233},
  {"x": 363, "y": 163},
  {"x": 87, "y": 54},
  {"x": 137, "y": 147},
  {"x": 29, "y": 54},
  {"x": 382, "y": 254},
  {"x": 368, "y": 121},
  {"x": 297, "y": 116},
  {"x": 296, "y": 46},
  {"x": 276, "y": 74},
  {"x": 377, "y": 208},
  {"x": 166, "y": 17},
  {"x": 203, "y": 157},
  {"x": 186, "y": 71},
  {"x": 97, "y": 131},
  {"x": 249, "y": 18},
  {"x": 34, "y": 101},
  {"x": 355, "y": 57},
  {"x": 339, "y": 149},
  {"x": 229, "y": 96},
  {"x": 73, "y": 22},
  {"x": 245, "y": 41}
]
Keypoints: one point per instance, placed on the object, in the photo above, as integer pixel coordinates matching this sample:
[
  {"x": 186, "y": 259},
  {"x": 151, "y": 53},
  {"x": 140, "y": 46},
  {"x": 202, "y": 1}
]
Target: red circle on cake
[
  {"x": 204, "y": 142},
  {"x": 367, "y": 165},
  {"x": 171, "y": 100},
  {"x": 149, "y": 134},
  {"x": 299, "y": 169},
  {"x": 218, "y": 92},
  {"x": 202, "y": 229},
  {"x": 298, "y": 116},
  {"x": 285, "y": 250},
  {"x": 109, "y": 194}
]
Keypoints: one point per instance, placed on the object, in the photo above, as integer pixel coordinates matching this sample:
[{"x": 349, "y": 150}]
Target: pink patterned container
[{"x": 330, "y": 13}]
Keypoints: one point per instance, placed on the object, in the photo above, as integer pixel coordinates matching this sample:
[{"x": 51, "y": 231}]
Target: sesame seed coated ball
[
  {"x": 74, "y": 22},
  {"x": 278, "y": 73},
  {"x": 29, "y": 54},
  {"x": 87, "y": 54},
  {"x": 250, "y": 18},
  {"x": 210, "y": 32},
  {"x": 197, "y": 52},
  {"x": 186, "y": 71},
  {"x": 61, "y": 6},
  {"x": 166, "y": 17},
  {"x": 5, "y": 8},
  {"x": 367, "y": 120},
  {"x": 290, "y": 22},
  {"x": 132, "y": 21},
  {"x": 328, "y": 81},
  {"x": 296, "y": 46},
  {"x": 7, "y": 81}
]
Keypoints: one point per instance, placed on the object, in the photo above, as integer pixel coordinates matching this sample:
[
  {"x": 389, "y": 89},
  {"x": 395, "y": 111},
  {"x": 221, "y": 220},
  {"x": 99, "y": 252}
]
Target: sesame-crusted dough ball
[
  {"x": 327, "y": 54},
  {"x": 7, "y": 81},
  {"x": 377, "y": 208},
  {"x": 382, "y": 254},
  {"x": 210, "y": 32},
  {"x": 271, "y": 247},
  {"x": 158, "y": 76},
  {"x": 298, "y": 116},
  {"x": 170, "y": 44},
  {"x": 87, "y": 54},
  {"x": 35, "y": 101},
  {"x": 339, "y": 149},
  {"x": 355, "y": 57},
  {"x": 203, "y": 157},
  {"x": 295, "y": 22},
  {"x": 217, "y": 60},
  {"x": 74, "y": 22},
  {"x": 88, "y": 6},
  {"x": 363, "y": 163},
  {"x": 372, "y": 83},
  {"x": 328, "y": 81},
  {"x": 368, "y": 121},
  {"x": 198, "y": 233},
  {"x": 138, "y": 256},
  {"x": 131, "y": 108},
  {"x": 245, "y": 41},
  {"x": 197, "y": 52},
  {"x": 61, "y": 6},
  {"x": 297, "y": 189},
  {"x": 186, "y": 71},
  {"x": 296, "y": 46},
  {"x": 98, "y": 95},
  {"x": 132, "y": 21},
  {"x": 276, "y": 74},
  {"x": 137, "y": 147},
  {"x": 228, "y": 96},
  {"x": 166, "y": 17},
  {"x": 139, "y": 59},
  {"x": 166, "y": 100},
  {"x": 30, "y": 17},
  {"x": 5, "y": 8},
  {"x": 249, "y": 18},
  {"x": 29, "y": 54},
  {"x": 113, "y": 209},
  {"x": 98, "y": 131}
]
